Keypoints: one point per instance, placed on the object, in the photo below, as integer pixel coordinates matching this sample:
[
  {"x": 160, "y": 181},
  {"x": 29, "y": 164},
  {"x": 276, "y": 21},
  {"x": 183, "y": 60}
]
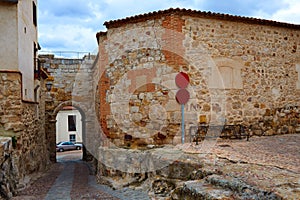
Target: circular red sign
[
  {"x": 182, "y": 80},
  {"x": 182, "y": 96}
]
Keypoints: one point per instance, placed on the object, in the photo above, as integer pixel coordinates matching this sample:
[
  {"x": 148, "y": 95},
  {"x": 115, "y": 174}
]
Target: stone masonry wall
[
  {"x": 239, "y": 74},
  {"x": 23, "y": 122},
  {"x": 71, "y": 81}
]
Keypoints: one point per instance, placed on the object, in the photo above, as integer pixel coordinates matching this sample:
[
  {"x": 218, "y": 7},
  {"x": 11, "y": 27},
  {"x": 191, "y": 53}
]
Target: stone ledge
[{"x": 138, "y": 161}]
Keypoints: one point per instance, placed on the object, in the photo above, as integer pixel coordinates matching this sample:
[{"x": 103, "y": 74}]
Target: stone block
[
  {"x": 172, "y": 105},
  {"x": 175, "y": 117}
]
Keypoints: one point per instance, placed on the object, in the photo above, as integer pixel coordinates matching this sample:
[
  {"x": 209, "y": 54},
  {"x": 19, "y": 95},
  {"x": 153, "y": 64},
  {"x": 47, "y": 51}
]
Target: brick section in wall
[
  {"x": 103, "y": 86},
  {"x": 140, "y": 80},
  {"x": 173, "y": 41}
]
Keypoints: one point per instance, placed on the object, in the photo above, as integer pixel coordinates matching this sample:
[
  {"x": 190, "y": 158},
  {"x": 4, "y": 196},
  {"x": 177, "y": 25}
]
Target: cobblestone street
[{"x": 70, "y": 178}]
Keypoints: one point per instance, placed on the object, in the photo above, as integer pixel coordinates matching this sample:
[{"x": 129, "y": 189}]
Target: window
[
  {"x": 72, "y": 138},
  {"x": 72, "y": 122},
  {"x": 34, "y": 14}
]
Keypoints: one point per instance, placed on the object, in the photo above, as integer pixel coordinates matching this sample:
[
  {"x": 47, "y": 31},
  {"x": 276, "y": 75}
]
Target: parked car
[{"x": 65, "y": 146}]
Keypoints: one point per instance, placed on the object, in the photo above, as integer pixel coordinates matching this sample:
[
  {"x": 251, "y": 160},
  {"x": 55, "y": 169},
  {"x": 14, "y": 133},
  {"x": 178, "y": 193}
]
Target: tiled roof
[
  {"x": 196, "y": 13},
  {"x": 10, "y": 1}
]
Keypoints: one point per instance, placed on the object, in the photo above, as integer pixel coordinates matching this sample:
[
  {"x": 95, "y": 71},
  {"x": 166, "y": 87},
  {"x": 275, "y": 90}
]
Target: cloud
[
  {"x": 66, "y": 8},
  {"x": 69, "y": 25},
  {"x": 73, "y": 24},
  {"x": 68, "y": 37},
  {"x": 116, "y": 9},
  {"x": 243, "y": 8},
  {"x": 289, "y": 13}
]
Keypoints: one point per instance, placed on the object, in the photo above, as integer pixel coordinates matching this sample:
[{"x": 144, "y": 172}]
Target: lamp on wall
[{"x": 48, "y": 86}]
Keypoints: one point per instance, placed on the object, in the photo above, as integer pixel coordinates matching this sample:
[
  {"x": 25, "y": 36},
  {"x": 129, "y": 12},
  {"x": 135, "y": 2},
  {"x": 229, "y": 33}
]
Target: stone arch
[
  {"x": 69, "y": 103},
  {"x": 52, "y": 126}
]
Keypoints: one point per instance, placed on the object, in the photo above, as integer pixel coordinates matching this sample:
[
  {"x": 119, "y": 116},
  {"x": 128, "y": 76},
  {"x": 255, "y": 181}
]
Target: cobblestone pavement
[
  {"x": 270, "y": 162},
  {"x": 281, "y": 151},
  {"x": 70, "y": 179}
]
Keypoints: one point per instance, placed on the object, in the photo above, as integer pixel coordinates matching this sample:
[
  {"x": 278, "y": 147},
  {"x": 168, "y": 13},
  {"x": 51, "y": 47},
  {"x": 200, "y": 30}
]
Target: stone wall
[
  {"x": 72, "y": 85},
  {"x": 24, "y": 123},
  {"x": 239, "y": 74}
]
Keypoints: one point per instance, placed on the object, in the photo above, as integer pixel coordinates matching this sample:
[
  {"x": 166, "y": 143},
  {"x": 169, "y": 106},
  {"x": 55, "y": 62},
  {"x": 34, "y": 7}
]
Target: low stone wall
[
  {"x": 278, "y": 121},
  {"x": 285, "y": 120}
]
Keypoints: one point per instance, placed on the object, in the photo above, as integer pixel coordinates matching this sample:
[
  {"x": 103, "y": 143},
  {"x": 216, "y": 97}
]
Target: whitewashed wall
[{"x": 62, "y": 132}]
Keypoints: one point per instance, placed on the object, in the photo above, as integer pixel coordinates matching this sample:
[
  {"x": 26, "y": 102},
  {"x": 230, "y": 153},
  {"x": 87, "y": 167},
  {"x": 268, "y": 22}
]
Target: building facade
[
  {"x": 69, "y": 125},
  {"x": 19, "y": 42},
  {"x": 243, "y": 71},
  {"x": 22, "y": 96}
]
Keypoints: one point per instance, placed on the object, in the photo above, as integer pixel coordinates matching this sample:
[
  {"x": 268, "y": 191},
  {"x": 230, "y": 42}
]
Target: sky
[{"x": 71, "y": 25}]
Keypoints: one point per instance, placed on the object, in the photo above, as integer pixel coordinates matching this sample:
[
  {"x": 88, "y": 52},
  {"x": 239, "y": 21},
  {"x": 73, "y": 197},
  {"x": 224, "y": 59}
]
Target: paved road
[{"x": 69, "y": 179}]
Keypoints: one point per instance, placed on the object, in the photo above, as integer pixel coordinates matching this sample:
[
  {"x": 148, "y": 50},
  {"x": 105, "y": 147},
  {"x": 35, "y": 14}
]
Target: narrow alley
[{"x": 71, "y": 179}]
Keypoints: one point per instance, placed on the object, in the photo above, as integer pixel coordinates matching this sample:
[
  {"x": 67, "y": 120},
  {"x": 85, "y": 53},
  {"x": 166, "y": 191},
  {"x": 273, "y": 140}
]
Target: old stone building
[
  {"x": 22, "y": 99},
  {"x": 243, "y": 72}
]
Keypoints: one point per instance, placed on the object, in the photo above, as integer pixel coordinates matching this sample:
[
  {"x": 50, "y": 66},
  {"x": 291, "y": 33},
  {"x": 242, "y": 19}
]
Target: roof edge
[
  {"x": 100, "y": 34},
  {"x": 10, "y": 1},
  {"x": 196, "y": 13}
]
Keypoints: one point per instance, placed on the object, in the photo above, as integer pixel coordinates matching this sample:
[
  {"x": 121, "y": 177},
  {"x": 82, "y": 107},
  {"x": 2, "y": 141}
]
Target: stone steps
[{"x": 216, "y": 187}]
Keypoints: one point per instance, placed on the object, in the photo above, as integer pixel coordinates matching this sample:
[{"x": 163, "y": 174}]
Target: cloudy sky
[{"x": 71, "y": 25}]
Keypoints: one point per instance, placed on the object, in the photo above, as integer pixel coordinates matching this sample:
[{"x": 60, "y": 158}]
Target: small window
[
  {"x": 72, "y": 138},
  {"x": 72, "y": 122},
  {"x": 34, "y": 14}
]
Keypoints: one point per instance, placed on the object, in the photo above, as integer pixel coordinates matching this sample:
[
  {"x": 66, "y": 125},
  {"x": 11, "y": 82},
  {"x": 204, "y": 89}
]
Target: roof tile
[{"x": 195, "y": 13}]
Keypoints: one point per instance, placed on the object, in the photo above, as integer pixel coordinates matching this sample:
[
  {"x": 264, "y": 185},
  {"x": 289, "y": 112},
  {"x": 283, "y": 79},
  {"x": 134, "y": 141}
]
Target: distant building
[{"x": 69, "y": 125}]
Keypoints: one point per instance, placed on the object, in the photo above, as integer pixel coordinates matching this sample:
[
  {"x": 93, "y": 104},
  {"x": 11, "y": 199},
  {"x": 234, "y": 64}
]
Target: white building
[
  {"x": 19, "y": 42},
  {"x": 69, "y": 125}
]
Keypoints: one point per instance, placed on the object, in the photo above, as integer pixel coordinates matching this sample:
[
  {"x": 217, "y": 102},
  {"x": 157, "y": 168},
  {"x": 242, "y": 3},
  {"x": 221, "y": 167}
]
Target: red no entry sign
[
  {"x": 182, "y": 96},
  {"x": 182, "y": 80}
]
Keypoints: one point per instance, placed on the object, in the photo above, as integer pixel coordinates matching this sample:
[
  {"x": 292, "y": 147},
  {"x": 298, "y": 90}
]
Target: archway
[{"x": 52, "y": 128}]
